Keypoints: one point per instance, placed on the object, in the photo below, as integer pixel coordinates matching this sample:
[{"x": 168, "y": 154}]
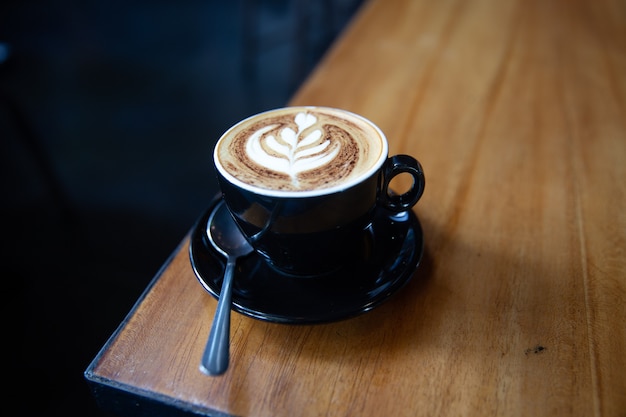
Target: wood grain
[{"x": 517, "y": 112}]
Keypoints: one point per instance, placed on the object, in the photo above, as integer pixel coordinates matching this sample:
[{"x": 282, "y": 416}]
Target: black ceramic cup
[{"x": 311, "y": 231}]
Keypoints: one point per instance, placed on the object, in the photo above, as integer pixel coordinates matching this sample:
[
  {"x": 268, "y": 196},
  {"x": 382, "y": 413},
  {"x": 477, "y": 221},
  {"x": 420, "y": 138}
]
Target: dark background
[{"x": 109, "y": 111}]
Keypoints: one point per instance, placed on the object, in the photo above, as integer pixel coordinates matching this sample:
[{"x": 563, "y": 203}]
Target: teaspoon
[{"x": 228, "y": 240}]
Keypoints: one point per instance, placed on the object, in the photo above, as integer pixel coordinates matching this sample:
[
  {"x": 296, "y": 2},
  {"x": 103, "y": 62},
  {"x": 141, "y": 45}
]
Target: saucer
[{"x": 263, "y": 293}]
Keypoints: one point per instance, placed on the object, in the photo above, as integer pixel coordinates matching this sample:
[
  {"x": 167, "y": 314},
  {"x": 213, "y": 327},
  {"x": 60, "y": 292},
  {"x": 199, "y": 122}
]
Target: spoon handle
[{"x": 215, "y": 358}]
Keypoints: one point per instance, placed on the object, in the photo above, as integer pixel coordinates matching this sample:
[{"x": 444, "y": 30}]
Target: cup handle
[{"x": 396, "y": 165}]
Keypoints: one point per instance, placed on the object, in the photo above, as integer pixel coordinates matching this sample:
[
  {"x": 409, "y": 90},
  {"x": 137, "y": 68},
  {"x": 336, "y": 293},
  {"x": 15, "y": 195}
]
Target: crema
[{"x": 300, "y": 149}]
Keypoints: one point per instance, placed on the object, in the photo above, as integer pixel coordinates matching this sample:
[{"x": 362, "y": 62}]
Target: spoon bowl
[{"x": 226, "y": 238}]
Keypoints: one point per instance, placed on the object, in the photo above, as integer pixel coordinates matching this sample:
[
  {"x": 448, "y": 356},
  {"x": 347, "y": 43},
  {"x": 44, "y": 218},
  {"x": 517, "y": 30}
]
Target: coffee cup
[{"x": 304, "y": 183}]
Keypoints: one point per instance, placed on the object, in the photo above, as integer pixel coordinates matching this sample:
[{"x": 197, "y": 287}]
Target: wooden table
[{"x": 517, "y": 111}]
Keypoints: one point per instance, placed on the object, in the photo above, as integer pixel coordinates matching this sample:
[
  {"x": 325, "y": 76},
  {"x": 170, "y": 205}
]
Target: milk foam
[
  {"x": 300, "y": 149},
  {"x": 292, "y": 152}
]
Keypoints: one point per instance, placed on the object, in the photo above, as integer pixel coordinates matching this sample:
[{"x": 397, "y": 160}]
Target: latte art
[
  {"x": 300, "y": 149},
  {"x": 292, "y": 152}
]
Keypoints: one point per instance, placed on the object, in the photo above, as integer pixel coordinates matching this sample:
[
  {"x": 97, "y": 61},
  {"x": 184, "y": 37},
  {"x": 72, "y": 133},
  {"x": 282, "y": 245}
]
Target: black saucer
[{"x": 396, "y": 244}]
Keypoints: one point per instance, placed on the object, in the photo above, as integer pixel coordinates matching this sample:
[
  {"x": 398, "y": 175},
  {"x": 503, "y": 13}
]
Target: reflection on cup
[{"x": 303, "y": 183}]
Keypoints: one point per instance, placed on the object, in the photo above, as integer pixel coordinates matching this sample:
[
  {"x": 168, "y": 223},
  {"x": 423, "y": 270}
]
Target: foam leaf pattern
[{"x": 291, "y": 152}]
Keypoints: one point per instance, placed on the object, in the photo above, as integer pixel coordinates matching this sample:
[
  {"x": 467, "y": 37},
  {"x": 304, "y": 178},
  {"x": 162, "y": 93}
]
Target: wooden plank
[{"x": 517, "y": 111}]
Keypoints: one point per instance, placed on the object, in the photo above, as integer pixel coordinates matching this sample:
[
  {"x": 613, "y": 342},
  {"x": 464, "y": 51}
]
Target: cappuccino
[{"x": 300, "y": 150}]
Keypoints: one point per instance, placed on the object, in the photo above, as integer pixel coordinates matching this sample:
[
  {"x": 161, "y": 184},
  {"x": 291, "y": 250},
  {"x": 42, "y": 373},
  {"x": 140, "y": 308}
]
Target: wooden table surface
[{"x": 517, "y": 111}]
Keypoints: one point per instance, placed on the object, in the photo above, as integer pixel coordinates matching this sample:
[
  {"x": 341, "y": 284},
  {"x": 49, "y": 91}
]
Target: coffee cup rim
[{"x": 307, "y": 193}]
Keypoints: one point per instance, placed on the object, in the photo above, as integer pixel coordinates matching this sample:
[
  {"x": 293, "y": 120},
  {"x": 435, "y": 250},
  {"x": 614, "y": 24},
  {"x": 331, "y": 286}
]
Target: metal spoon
[{"x": 228, "y": 240}]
